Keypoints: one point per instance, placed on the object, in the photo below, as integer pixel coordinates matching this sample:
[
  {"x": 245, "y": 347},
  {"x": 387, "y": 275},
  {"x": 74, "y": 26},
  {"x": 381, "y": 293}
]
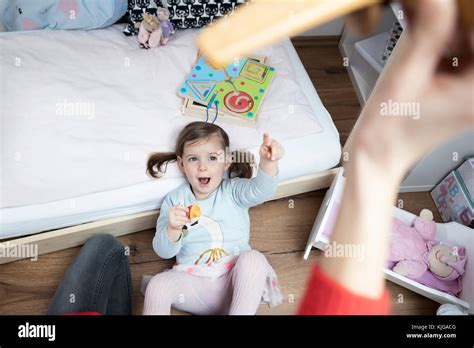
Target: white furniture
[
  {"x": 432, "y": 168},
  {"x": 358, "y": 72},
  {"x": 364, "y": 69}
]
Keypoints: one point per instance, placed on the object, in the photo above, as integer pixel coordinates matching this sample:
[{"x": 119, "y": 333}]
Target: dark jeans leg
[{"x": 98, "y": 280}]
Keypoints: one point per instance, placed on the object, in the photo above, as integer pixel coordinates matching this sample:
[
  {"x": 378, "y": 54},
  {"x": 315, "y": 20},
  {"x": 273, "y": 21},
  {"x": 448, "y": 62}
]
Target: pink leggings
[{"x": 239, "y": 291}]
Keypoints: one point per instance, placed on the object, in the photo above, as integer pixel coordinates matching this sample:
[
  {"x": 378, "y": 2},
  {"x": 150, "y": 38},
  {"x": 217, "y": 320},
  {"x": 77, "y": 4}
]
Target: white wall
[{"x": 430, "y": 170}]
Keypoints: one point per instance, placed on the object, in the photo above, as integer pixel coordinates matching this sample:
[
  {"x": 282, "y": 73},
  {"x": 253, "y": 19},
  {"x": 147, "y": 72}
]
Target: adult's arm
[{"x": 382, "y": 148}]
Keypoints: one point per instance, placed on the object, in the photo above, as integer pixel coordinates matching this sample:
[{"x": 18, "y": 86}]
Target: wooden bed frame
[{"x": 69, "y": 237}]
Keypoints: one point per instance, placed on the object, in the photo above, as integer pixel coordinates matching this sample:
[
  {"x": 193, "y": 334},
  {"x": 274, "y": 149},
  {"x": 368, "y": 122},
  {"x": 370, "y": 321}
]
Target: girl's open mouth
[{"x": 204, "y": 181}]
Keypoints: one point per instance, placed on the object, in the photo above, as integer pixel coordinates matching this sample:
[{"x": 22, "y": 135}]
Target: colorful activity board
[{"x": 238, "y": 90}]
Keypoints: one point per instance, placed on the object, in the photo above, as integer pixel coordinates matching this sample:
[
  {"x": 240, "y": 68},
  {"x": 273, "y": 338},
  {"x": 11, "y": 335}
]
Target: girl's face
[{"x": 204, "y": 165}]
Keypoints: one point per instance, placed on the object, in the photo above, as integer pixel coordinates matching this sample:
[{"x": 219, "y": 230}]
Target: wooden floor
[{"x": 278, "y": 229}]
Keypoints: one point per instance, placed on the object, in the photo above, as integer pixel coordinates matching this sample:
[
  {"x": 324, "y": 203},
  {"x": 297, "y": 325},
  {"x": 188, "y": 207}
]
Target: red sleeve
[{"x": 325, "y": 296}]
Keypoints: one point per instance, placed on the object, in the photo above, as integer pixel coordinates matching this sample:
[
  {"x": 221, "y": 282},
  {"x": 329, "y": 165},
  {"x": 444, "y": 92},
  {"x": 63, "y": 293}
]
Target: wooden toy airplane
[{"x": 263, "y": 22}]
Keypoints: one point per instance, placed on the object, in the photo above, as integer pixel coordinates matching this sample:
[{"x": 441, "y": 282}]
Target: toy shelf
[{"x": 363, "y": 87}]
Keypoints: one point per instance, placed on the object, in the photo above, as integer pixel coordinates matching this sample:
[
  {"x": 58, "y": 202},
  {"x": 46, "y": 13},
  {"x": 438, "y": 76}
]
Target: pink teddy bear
[
  {"x": 415, "y": 255},
  {"x": 409, "y": 244},
  {"x": 149, "y": 34}
]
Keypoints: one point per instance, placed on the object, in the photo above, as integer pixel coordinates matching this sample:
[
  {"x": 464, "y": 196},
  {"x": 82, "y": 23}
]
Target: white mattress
[{"x": 61, "y": 169}]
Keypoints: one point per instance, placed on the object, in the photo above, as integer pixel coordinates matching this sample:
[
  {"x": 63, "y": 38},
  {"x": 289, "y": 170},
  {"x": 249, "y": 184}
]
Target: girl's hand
[
  {"x": 271, "y": 150},
  {"x": 177, "y": 217}
]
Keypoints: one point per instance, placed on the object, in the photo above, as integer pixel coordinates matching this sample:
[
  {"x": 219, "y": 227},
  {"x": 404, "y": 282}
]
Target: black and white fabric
[
  {"x": 136, "y": 8},
  {"x": 185, "y": 14},
  {"x": 393, "y": 37}
]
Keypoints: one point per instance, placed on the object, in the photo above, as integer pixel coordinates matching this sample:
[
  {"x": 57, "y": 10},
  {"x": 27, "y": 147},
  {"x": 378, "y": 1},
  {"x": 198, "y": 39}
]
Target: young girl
[{"x": 205, "y": 224}]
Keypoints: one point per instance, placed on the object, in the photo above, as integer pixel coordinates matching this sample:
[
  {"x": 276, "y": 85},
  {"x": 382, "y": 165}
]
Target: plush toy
[
  {"x": 444, "y": 261},
  {"x": 415, "y": 254},
  {"x": 62, "y": 14},
  {"x": 166, "y": 26},
  {"x": 194, "y": 211},
  {"x": 409, "y": 244},
  {"x": 149, "y": 34}
]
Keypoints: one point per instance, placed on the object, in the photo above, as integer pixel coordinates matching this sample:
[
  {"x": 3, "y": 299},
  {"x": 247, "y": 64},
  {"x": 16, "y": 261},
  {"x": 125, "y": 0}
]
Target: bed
[{"x": 81, "y": 111}]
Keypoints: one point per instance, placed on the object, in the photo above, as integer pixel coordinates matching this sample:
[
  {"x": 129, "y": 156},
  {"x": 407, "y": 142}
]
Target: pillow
[
  {"x": 186, "y": 14},
  {"x": 135, "y": 11},
  {"x": 3, "y": 6},
  {"x": 62, "y": 14}
]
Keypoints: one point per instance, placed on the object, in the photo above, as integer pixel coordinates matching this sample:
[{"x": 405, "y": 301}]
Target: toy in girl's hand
[
  {"x": 166, "y": 26},
  {"x": 415, "y": 255},
  {"x": 149, "y": 34},
  {"x": 194, "y": 211}
]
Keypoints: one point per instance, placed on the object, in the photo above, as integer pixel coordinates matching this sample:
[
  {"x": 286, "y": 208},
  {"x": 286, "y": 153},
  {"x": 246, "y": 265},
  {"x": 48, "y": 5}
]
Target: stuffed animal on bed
[
  {"x": 155, "y": 30},
  {"x": 166, "y": 26},
  {"x": 62, "y": 14},
  {"x": 149, "y": 34},
  {"x": 416, "y": 255}
]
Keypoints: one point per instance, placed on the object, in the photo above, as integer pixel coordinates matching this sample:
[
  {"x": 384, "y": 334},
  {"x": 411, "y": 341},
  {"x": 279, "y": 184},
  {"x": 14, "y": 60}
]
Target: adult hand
[{"x": 415, "y": 105}]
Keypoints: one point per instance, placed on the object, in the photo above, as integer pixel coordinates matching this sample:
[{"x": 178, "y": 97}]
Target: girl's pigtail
[{"x": 156, "y": 161}]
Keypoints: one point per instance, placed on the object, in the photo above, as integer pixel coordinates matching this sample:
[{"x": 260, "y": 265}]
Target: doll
[
  {"x": 416, "y": 255},
  {"x": 446, "y": 265},
  {"x": 166, "y": 26},
  {"x": 149, "y": 34}
]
